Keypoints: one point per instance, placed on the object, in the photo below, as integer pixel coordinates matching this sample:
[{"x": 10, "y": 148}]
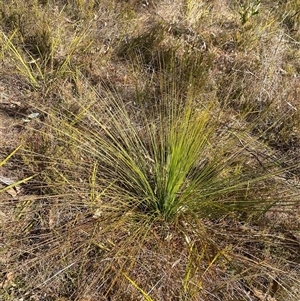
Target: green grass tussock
[{"x": 158, "y": 150}]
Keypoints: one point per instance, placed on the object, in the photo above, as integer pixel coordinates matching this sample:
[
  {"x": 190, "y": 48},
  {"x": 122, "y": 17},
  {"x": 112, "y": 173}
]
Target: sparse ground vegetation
[{"x": 149, "y": 150}]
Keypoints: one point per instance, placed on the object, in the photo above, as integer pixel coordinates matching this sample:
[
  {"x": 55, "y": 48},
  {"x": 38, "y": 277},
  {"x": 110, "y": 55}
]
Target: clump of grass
[
  {"x": 168, "y": 193},
  {"x": 248, "y": 9},
  {"x": 148, "y": 200},
  {"x": 38, "y": 49}
]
